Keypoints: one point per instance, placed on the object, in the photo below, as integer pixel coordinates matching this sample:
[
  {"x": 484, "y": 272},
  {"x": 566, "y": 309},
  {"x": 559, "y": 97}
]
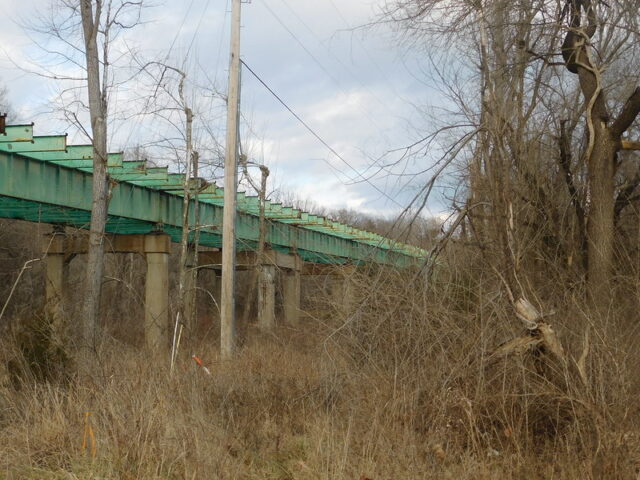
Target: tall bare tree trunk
[
  {"x": 186, "y": 254},
  {"x": 258, "y": 270},
  {"x": 600, "y": 225},
  {"x": 185, "y": 266},
  {"x": 100, "y": 204},
  {"x": 601, "y": 154}
]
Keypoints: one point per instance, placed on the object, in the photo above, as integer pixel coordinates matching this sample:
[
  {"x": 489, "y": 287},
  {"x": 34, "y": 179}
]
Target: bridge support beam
[
  {"x": 291, "y": 296},
  {"x": 157, "y": 248},
  {"x": 290, "y": 265}
]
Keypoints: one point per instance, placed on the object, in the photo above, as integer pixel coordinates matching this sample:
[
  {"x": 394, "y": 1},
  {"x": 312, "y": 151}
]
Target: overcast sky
[{"x": 359, "y": 89}]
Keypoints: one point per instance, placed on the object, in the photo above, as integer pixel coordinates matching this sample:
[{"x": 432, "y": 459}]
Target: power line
[
  {"x": 368, "y": 114},
  {"x": 316, "y": 135},
  {"x": 337, "y": 59},
  {"x": 222, "y": 31},
  {"x": 366, "y": 51},
  {"x": 326, "y": 70},
  {"x": 195, "y": 33},
  {"x": 175, "y": 38}
]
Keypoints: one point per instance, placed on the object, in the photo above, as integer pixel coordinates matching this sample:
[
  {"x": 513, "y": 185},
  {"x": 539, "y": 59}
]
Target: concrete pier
[
  {"x": 266, "y": 296},
  {"x": 291, "y": 284},
  {"x": 54, "y": 247},
  {"x": 156, "y": 319}
]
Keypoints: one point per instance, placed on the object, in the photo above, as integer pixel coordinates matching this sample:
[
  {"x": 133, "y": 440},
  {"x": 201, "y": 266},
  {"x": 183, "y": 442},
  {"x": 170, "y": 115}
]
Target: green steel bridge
[{"x": 43, "y": 179}]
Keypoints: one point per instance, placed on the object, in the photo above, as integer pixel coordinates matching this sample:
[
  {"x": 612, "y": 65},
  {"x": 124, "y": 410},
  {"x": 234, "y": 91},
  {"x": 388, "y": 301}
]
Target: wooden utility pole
[{"x": 228, "y": 297}]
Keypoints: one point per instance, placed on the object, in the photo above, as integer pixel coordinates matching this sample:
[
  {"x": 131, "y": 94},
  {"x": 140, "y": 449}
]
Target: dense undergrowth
[{"x": 400, "y": 383}]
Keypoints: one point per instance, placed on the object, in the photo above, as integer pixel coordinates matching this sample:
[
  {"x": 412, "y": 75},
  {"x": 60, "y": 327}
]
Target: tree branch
[
  {"x": 564, "y": 160},
  {"x": 625, "y": 197},
  {"x": 565, "y": 164},
  {"x": 627, "y": 115}
]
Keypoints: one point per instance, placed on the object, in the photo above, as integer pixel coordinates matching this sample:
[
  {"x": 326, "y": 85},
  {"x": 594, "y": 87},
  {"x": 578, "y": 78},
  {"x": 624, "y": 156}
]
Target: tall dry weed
[{"x": 397, "y": 382}]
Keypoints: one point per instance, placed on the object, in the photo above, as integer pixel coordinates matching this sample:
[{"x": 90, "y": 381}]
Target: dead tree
[{"x": 258, "y": 274}]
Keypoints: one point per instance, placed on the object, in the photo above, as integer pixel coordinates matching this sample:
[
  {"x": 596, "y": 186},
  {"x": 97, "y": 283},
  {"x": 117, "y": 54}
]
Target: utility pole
[{"x": 228, "y": 296}]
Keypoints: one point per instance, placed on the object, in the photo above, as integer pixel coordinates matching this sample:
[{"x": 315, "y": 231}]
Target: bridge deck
[{"x": 42, "y": 179}]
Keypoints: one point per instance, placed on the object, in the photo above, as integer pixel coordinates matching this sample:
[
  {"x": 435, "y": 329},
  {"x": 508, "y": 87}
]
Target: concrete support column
[
  {"x": 337, "y": 290},
  {"x": 291, "y": 296},
  {"x": 55, "y": 278},
  {"x": 267, "y": 297},
  {"x": 342, "y": 291},
  {"x": 349, "y": 298},
  {"x": 156, "y": 319}
]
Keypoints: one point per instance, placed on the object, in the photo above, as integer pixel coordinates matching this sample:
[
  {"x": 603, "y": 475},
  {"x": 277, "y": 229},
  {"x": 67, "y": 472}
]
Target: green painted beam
[
  {"x": 289, "y": 228},
  {"x": 128, "y": 176},
  {"x": 37, "y": 144},
  {"x": 72, "y": 152},
  {"x": 113, "y": 160},
  {"x": 17, "y": 133},
  {"x": 130, "y": 171},
  {"x": 174, "y": 181},
  {"x": 79, "y": 156},
  {"x": 40, "y": 182}
]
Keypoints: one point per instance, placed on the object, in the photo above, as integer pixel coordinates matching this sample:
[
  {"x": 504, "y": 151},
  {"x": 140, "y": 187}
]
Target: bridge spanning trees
[{"x": 43, "y": 179}]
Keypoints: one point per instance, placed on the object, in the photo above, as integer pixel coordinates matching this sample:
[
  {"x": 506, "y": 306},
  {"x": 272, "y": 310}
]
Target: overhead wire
[
  {"x": 370, "y": 57},
  {"x": 336, "y": 58},
  {"x": 195, "y": 32},
  {"x": 317, "y": 136},
  {"x": 368, "y": 115},
  {"x": 137, "y": 124},
  {"x": 317, "y": 61},
  {"x": 175, "y": 38}
]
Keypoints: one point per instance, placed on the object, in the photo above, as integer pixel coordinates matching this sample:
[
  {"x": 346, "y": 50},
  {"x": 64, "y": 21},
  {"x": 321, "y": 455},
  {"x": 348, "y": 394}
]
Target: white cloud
[{"x": 352, "y": 87}]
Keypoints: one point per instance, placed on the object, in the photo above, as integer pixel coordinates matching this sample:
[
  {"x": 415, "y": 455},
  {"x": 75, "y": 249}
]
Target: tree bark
[
  {"x": 99, "y": 207},
  {"x": 600, "y": 225},
  {"x": 601, "y": 155}
]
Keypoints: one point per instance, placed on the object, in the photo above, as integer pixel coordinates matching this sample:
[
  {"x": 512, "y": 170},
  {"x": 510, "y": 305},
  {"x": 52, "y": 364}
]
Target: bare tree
[
  {"x": 604, "y": 133},
  {"x": 259, "y": 272},
  {"x": 99, "y": 18},
  {"x": 5, "y": 104},
  {"x": 78, "y": 35},
  {"x": 537, "y": 151},
  {"x": 91, "y": 14},
  {"x": 170, "y": 101}
]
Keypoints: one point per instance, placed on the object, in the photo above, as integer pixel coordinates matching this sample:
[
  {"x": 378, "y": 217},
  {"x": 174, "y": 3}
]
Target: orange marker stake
[
  {"x": 88, "y": 435},
  {"x": 199, "y": 362}
]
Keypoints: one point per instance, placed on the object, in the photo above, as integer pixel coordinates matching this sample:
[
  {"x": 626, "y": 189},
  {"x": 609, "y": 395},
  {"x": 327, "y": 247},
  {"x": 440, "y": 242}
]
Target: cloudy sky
[{"x": 359, "y": 88}]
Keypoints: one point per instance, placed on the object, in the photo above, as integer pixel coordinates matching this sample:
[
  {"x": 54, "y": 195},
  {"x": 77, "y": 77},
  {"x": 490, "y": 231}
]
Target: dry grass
[
  {"x": 398, "y": 385},
  {"x": 282, "y": 413}
]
